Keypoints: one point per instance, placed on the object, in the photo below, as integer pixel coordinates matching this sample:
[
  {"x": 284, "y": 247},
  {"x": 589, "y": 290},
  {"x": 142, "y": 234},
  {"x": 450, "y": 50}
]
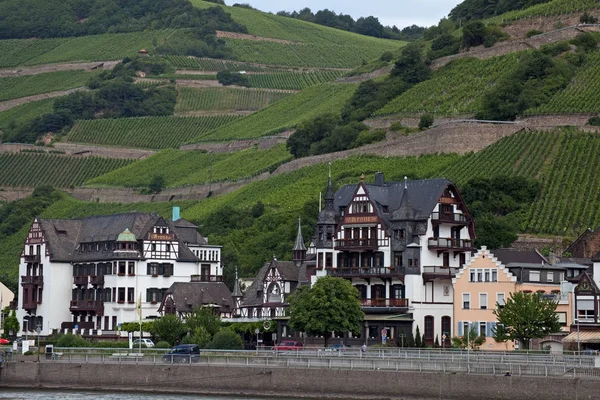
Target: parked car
[
  {"x": 337, "y": 347},
  {"x": 143, "y": 342},
  {"x": 4, "y": 341},
  {"x": 183, "y": 353},
  {"x": 288, "y": 345}
]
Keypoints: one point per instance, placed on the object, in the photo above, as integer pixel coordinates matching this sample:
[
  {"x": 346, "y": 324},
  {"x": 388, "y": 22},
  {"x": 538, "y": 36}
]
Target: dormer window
[{"x": 386, "y": 209}]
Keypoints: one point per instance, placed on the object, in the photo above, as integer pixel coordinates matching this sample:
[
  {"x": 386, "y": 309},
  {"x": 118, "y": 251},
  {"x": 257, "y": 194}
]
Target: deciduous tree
[
  {"x": 332, "y": 304},
  {"x": 527, "y": 316}
]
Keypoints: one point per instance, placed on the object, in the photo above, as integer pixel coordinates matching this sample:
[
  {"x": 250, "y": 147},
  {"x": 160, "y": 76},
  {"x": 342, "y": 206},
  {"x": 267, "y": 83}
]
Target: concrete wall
[{"x": 293, "y": 382}]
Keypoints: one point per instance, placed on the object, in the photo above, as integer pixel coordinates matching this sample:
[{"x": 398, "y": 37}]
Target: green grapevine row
[
  {"x": 555, "y": 7},
  {"x": 145, "y": 132},
  {"x": 293, "y": 80},
  {"x": 195, "y": 167},
  {"x": 214, "y": 99},
  {"x": 33, "y": 169},
  {"x": 211, "y": 64},
  {"x": 22, "y": 86}
]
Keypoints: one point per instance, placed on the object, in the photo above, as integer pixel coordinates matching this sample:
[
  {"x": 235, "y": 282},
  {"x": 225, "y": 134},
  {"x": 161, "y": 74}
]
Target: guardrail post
[
  {"x": 546, "y": 368},
  {"x": 86, "y": 358}
]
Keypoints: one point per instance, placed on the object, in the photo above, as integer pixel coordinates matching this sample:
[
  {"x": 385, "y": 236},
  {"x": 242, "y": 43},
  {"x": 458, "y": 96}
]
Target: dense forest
[{"x": 54, "y": 18}]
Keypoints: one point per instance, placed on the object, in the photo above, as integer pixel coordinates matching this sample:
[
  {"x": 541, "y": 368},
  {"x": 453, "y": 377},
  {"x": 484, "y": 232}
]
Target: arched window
[
  {"x": 446, "y": 330},
  {"x": 274, "y": 293},
  {"x": 428, "y": 330}
]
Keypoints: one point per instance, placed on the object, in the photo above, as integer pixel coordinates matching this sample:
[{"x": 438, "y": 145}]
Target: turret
[{"x": 299, "y": 250}]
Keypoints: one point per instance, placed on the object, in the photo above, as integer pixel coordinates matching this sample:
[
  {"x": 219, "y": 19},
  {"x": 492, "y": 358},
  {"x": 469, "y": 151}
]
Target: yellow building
[{"x": 485, "y": 283}]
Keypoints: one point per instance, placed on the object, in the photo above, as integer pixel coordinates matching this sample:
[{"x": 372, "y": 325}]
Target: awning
[{"x": 583, "y": 337}]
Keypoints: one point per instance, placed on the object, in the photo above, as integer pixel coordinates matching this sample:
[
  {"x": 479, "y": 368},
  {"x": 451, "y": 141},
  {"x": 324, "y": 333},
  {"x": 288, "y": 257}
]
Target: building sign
[
  {"x": 162, "y": 236},
  {"x": 371, "y": 219}
]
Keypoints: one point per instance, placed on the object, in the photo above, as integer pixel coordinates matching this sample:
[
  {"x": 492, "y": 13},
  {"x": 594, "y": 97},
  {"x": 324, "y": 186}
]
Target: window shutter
[
  {"x": 460, "y": 328},
  {"x": 491, "y": 328}
]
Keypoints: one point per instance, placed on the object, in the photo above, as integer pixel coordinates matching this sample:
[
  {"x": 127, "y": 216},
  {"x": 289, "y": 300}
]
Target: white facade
[{"x": 102, "y": 283}]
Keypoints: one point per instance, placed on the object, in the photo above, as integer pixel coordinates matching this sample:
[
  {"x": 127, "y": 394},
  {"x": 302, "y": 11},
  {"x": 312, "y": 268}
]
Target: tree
[
  {"x": 157, "y": 184},
  {"x": 527, "y": 316},
  {"x": 418, "y": 338},
  {"x": 436, "y": 344},
  {"x": 226, "y": 78},
  {"x": 425, "y": 121},
  {"x": 203, "y": 317},
  {"x": 332, "y": 304},
  {"x": 11, "y": 325},
  {"x": 469, "y": 340},
  {"x": 168, "y": 328},
  {"x": 226, "y": 339}
]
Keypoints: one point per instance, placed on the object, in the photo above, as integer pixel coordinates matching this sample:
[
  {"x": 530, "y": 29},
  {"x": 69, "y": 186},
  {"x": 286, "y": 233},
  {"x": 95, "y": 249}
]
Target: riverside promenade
[{"x": 316, "y": 375}]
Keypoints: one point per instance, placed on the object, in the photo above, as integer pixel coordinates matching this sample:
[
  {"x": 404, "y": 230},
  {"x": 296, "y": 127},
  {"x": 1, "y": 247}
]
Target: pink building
[{"x": 485, "y": 283}]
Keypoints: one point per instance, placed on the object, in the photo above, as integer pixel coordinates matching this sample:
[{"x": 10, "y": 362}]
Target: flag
[{"x": 139, "y": 307}]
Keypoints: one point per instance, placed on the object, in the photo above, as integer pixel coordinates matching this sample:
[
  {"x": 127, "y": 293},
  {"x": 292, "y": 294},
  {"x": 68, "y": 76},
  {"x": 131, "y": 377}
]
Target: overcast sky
[{"x": 401, "y": 13}]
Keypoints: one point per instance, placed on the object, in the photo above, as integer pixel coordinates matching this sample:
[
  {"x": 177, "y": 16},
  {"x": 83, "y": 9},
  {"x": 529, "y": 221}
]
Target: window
[
  {"x": 121, "y": 298},
  {"x": 534, "y": 276},
  {"x": 479, "y": 275},
  {"x": 152, "y": 269},
  {"x": 483, "y": 329},
  {"x": 130, "y": 295},
  {"x": 494, "y": 275},
  {"x": 131, "y": 268},
  {"x": 447, "y": 328},
  {"x": 428, "y": 329},
  {"x": 446, "y": 259},
  {"x": 167, "y": 248},
  {"x": 466, "y": 327},
  {"x": 550, "y": 276},
  {"x": 472, "y": 276},
  {"x": 436, "y": 231},
  {"x": 153, "y": 247},
  {"x": 500, "y": 299},
  {"x": 466, "y": 301},
  {"x": 399, "y": 234},
  {"x": 562, "y": 318},
  {"x": 486, "y": 274},
  {"x": 483, "y": 301},
  {"x": 121, "y": 267}
]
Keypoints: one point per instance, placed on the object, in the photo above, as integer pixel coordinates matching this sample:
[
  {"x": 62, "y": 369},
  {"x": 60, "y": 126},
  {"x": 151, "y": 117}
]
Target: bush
[
  {"x": 227, "y": 78},
  {"x": 588, "y": 19},
  {"x": 425, "y": 121},
  {"x": 70, "y": 340},
  {"x": 226, "y": 340},
  {"x": 387, "y": 56},
  {"x": 366, "y": 137},
  {"x": 555, "y": 49},
  {"x": 396, "y": 126},
  {"x": 594, "y": 121},
  {"x": 162, "y": 345},
  {"x": 28, "y": 353},
  {"x": 533, "y": 32},
  {"x": 110, "y": 344}
]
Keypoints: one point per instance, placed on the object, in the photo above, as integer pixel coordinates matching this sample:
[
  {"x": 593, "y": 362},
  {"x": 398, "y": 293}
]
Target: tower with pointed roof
[
  {"x": 299, "y": 250},
  {"x": 325, "y": 229}
]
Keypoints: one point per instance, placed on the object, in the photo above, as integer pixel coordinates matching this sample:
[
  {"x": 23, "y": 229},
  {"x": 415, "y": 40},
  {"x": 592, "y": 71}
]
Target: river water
[{"x": 20, "y": 394}]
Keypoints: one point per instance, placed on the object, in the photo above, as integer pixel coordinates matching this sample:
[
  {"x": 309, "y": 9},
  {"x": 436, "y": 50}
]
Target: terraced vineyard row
[
  {"x": 211, "y": 64},
  {"x": 194, "y": 167},
  {"x": 274, "y": 26},
  {"x": 112, "y": 46},
  {"x": 293, "y": 80},
  {"x": 555, "y": 7},
  {"x": 145, "y": 132},
  {"x": 286, "y": 113},
  {"x": 304, "y": 55},
  {"x": 22, "y": 86},
  {"x": 582, "y": 94},
  {"x": 32, "y": 169},
  {"x": 457, "y": 88},
  {"x": 214, "y": 99},
  {"x": 565, "y": 162},
  {"x": 25, "y": 112}
]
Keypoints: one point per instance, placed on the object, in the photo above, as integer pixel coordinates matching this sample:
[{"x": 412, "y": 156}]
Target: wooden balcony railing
[
  {"x": 449, "y": 218},
  {"x": 449, "y": 244},
  {"x": 32, "y": 280},
  {"x": 97, "y": 280},
  {"x": 403, "y": 303},
  {"x": 348, "y": 244},
  {"x": 80, "y": 280},
  {"x": 89, "y": 306},
  {"x": 439, "y": 271},
  {"x": 349, "y": 272},
  {"x": 32, "y": 258}
]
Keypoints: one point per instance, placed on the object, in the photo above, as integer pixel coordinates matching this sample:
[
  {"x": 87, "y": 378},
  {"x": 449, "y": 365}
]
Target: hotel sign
[
  {"x": 162, "y": 236},
  {"x": 370, "y": 219}
]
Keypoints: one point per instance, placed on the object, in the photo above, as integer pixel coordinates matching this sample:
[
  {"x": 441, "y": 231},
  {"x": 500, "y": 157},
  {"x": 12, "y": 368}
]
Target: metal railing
[
  {"x": 398, "y": 359},
  {"x": 449, "y": 217},
  {"x": 449, "y": 243}
]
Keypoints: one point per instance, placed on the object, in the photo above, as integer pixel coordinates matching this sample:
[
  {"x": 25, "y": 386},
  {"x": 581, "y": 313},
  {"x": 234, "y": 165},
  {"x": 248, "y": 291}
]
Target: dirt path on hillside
[
  {"x": 243, "y": 36},
  {"x": 274, "y": 67},
  {"x": 42, "y": 69},
  {"x": 8, "y": 104}
]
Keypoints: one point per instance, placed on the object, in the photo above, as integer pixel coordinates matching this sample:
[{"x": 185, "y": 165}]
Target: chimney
[
  {"x": 176, "y": 212},
  {"x": 379, "y": 179}
]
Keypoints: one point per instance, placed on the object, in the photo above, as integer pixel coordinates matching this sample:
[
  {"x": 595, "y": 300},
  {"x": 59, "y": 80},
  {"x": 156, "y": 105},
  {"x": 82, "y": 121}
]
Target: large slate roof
[
  {"x": 423, "y": 196},
  {"x": 191, "y": 295},
  {"x": 288, "y": 272},
  {"x": 511, "y": 256},
  {"x": 65, "y": 236}
]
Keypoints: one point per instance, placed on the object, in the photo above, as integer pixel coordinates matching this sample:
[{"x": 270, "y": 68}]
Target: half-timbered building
[
  {"x": 400, "y": 243},
  {"x": 184, "y": 298},
  {"x": 89, "y": 273}
]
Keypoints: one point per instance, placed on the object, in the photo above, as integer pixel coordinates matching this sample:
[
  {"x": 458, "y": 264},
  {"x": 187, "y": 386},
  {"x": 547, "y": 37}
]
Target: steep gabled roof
[
  {"x": 191, "y": 295},
  {"x": 512, "y": 256},
  {"x": 287, "y": 270}
]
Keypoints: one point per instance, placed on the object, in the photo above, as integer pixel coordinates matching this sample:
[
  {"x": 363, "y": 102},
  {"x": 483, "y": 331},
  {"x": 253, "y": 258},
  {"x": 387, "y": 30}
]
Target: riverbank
[{"x": 290, "y": 382}]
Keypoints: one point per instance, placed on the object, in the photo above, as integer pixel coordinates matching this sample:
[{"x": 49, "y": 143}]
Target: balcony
[
  {"x": 211, "y": 278},
  {"x": 439, "y": 272},
  {"x": 449, "y": 244},
  {"x": 372, "y": 272},
  {"x": 80, "y": 280},
  {"x": 360, "y": 244},
  {"x": 29, "y": 305},
  {"x": 449, "y": 218},
  {"x": 37, "y": 280},
  {"x": 398, "y": 303},
  {"x": 32, "y": 258},
  {"x": 97, "y": 280},
  {"x": 87, "y": 306}
]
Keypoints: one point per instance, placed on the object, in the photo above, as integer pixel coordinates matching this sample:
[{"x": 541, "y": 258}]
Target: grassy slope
[
  {"x": 15, "y": 87},
  {"x": 215, "y": 99},
  {"x": 25, "y": 112},
  {"x": 195, "y": 167},
  {"x": 145, "y": 132},
  {"x": 555, "y": 7},
  {"x": 286, "y": 113}
]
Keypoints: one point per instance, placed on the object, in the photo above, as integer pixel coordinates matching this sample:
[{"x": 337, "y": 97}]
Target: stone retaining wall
[{"x": 284, "y": 382}]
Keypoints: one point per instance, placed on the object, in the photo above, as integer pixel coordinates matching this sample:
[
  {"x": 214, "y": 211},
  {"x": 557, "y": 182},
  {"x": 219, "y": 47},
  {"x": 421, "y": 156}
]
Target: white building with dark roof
[
  {"x": 89, "y": 273},
  {"x": 400, "y": 244}
]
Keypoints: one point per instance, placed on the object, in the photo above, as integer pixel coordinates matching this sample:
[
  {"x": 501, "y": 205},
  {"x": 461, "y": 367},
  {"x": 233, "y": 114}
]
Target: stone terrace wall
[
  {"x": 80, "y": 150},
  {"x": 284, "y": 382}
]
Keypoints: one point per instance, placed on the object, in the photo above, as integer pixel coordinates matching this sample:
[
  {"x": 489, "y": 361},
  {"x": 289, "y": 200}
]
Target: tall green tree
[
  {"x": 11, "y": 325},
  {"x": 332, "y": 304},
  {"x": 168, "y": 328},
  {"x": 527, "y": 316},
  {"x": 469, "y": 340}
]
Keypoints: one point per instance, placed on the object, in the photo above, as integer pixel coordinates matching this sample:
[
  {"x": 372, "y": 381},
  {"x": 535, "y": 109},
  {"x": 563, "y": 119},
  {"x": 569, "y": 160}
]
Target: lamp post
[{"x": 468, "y": 348}]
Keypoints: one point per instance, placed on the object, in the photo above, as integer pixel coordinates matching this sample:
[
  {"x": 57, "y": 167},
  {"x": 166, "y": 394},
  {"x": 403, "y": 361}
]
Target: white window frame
[
  {"x": 468, "y": 297},
  {"x": 549, "y": 276},
  {"x": 487, "y": 275},
  {"x": 483, "y": 296},
  {"x": 485, "y": 329},
  {"x": 498, "y": 298},
  {"x": 495, "y": 275},
  {"x": 531, "y": 276},
  {"x": 472, "y": 276}
]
